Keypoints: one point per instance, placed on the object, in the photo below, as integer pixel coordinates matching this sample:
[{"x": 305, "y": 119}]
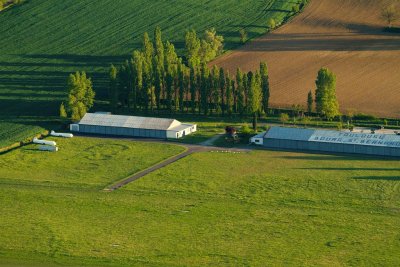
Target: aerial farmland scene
[{"x": 199, "y": 133}]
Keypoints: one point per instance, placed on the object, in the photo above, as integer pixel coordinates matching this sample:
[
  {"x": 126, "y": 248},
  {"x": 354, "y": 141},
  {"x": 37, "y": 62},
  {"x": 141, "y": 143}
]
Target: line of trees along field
[{"x": 155, "y": 78}]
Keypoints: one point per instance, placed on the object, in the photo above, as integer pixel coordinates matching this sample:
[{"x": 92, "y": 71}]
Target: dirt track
[
  {"x": 207, "y": 146},
  {"x": 343, "y": 35}
]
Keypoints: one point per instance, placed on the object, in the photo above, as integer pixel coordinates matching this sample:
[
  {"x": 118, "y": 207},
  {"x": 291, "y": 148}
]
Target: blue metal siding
[
  {"x": 329, "y": 147},
  {"x": 122, "y": 131}
]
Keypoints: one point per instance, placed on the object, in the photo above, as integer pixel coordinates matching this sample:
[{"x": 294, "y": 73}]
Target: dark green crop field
[
  {"x": 43, "y": 41},
  {"x": 209, "y": 209}
]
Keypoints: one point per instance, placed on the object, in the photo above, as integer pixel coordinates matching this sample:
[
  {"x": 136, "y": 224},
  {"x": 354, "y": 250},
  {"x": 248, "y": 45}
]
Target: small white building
[
  {"x": 134, "y": 126},
  {"x": 258, "y": 139}
]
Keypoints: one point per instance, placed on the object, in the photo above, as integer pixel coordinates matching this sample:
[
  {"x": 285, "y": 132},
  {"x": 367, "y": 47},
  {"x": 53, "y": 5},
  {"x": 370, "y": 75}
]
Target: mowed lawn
[
  {"x": 81, "y": 162},
  {"x": 210, "y": 209}
]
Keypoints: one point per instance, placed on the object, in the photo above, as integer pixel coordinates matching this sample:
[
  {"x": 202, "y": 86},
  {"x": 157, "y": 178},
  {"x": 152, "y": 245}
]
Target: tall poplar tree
[
  {"x": 169, "y": 83},
  {"x": 204, "y": 87},
  {"x": 193, "y": 87},
  {"x": 147, "y": 50},
  {"x": 113, "y": 92},
  {"x": 158, "y": 73},
  {"x": 255, "y": 97},
  {"x": 264, "y": 86},
  {"x": 310, "y": 102},
  {"x": 137, "y": 70},
  {"x": 215, "y": 89},
  {"x": 241, "y": 103},
  {"x": 159, "y": 48},
  {"x": 230, "y": 88},
  {"x": 198, "y": 88},
  {"x": 181, "y": 84},
  {"x": 222, "y": 89}
]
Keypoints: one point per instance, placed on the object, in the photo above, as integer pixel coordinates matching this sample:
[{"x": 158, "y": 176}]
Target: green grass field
[
  {"x": 209, "y": 209},
  {"x": 43, "y": 41},
  {"x": 81, "y": 162},
  {"x": 11, "y": 132}
]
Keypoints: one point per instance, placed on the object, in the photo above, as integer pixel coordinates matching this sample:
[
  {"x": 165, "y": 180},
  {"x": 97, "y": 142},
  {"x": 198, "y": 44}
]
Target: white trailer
[
  {"x": 48, "y": 148},
  {"x": 44, "y": 142},
  {"x": 66, "y": 135}
]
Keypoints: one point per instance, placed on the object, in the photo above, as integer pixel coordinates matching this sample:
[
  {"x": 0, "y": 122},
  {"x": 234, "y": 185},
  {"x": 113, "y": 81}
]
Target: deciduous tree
[
  {"x": 325, "y": 94},
  {"x": 80, "y": 95},
  {"x": 390, "y": 14},
  {"x": 192, "y": 47}
]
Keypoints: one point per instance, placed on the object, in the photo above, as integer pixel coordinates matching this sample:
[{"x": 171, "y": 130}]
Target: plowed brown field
[{"x": 344, "y": 35}]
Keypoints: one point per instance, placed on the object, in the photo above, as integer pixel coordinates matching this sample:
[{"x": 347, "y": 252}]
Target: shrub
[
  {"x": 284, "y": 118},
  {"x": 271, "y": 24},
  {"x": 362, "y": 116},
  {"x": 295, "y": 9},
  {"x": 246, "y": 130},
  {"x": 243, "y": 35}
]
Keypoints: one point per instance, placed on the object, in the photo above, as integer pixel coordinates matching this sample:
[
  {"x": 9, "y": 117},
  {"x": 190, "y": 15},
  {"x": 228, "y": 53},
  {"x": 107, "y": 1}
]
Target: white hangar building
[{"x": 107, "y": 124}]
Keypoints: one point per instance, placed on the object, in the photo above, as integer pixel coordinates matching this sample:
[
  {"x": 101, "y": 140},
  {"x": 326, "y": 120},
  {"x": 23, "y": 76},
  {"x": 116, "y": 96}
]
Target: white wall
[{"x": 187, "y": 131}]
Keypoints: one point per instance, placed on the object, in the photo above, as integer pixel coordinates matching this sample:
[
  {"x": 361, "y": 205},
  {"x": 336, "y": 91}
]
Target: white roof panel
[{"x": 128, "y": 121}]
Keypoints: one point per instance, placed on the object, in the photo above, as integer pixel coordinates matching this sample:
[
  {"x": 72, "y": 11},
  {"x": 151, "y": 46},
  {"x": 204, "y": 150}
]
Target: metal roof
[
  {"x": 330, "y": 136},
  {"x": 98, "y": 119},
  {"x": 286, "y": 133}
]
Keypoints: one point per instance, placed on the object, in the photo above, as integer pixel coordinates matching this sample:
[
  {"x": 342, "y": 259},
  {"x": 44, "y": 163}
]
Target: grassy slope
[
  {"x": 261, "y": 208},
  {"x": 50, "y": 39}
]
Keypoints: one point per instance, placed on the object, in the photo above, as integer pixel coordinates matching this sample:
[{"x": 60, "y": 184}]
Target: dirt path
[
  {"x": 210, "y": 142},
  {"x": 344, "y": 35},
  {"x": 190, "y": 150},
  {"x": 153, "y": 168}
]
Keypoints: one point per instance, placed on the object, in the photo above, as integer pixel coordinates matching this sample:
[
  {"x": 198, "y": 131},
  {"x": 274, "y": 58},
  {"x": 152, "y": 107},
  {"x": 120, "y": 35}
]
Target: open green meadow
[
  {"x": 210, "y": 209},
  {"x": 43, "y": 41},
  {"x": 81, "y": 162}
]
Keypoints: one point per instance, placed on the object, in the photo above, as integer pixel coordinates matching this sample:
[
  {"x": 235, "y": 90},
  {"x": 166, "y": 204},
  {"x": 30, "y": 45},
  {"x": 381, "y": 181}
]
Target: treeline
[{"x": 156, "y": 78}]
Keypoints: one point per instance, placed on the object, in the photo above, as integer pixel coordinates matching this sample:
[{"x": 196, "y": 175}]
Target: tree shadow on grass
[
  {"x": 348, "y": 37},
  {"x": 352, "y": 169},
  {"x": 327, "y": 157},
  {"x": 86, "y": 60},
  {"x": 378, "y": 178}
]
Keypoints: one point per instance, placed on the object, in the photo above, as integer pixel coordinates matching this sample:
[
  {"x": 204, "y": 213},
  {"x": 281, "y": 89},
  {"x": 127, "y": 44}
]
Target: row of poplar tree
[{"x": 155, "y": 78}]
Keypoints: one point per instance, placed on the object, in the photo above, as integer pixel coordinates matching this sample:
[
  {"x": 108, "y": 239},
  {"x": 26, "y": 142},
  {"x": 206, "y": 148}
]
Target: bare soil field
[{"x": 344, "y": 35}]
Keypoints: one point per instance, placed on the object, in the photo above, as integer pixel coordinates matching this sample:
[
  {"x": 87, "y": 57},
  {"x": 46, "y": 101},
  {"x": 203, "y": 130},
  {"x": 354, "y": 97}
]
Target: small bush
[
  {"x": 271, "y": 24},
  {"x": 243, "y": 35},
  {"x": 246, "y": 130},
  {"x": 362, "y": 116}
]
